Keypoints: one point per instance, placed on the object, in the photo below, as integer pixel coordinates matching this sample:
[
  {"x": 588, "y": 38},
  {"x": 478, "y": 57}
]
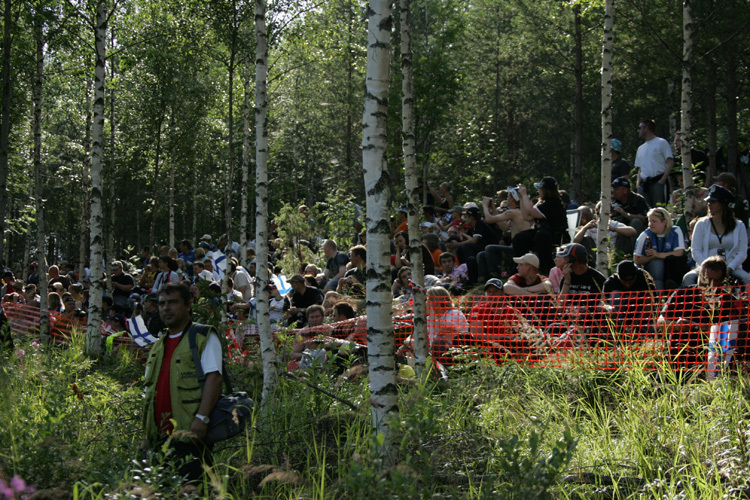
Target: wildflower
[
  {"x": 20, "y": 353},
  {"x": 18, "y": 484}
]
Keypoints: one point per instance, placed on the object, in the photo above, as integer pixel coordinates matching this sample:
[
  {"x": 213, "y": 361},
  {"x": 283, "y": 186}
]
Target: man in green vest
[{"x": 175, "y": 404}]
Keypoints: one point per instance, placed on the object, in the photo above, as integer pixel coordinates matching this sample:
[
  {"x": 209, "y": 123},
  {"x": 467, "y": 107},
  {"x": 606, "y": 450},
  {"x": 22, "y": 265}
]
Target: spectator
[
  {"x": 444, "y": 199},
  {"x": 527, "y": 281},
  {"x": 578, "y": 277},
  {"x": 445, "y": 324},
  {"x": 30, "y": 295},
  {"x": 480, "y": 235},
  {"x": 402, "y": 220},
  {"x": 661, "y": 249},
  {"x": 122, "y": 284},
  {"x": 335, "y": 266},
  {"x": 630, "y": 209},
  {"x": 620, "y": 168},
  {"x": 401, "y": 257},
  {"x": 719, "y": 234},
  {"x": 628, "y": 294},
  {"x": 301, "y": 298},
  {"x": 491, "y": 320},
  {"x": 402, "y": 285},
  {"x": 654, "y": 160},
  {"x": 167, "y": 273},
  {"x": 432, "y": 242},
  {"x": 454, "y": 277},
  {"x": 551, "y": 226},
  {"x": 621, "y": 235},
  {"x": 741, "y": 207},
  {"x": 54, "y": 302}
]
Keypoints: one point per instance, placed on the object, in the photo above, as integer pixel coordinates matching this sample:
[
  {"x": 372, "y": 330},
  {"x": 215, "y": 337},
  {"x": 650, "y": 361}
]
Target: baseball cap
[
  {"x": 403, "y": 208},
  {"x": 546, "y": 183},
  {"x": 471, "y": 208},
  {"x": 497, "y": 283},
  {"x": 621, "y": 182},
  {"x": 626, "y": 270},
  {"x": 719, "y": 193},
  {"x": 617, "y": 145},
  {"x": 528, "y": 258},
  {"x": 206, "y": 237},
  {"x": 574, "y": 250}
]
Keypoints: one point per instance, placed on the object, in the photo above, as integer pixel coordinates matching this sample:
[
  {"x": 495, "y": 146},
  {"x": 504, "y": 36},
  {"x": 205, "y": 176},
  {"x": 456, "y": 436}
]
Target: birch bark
[
  {"x": 244, "y": 237},
  {"x": 602, "y": 243},
  {"x": 268, "y": 352},
  {"x": 93, "y": 337},
  {"x": 380, "y": 340},
  {"x": 83, "y": 242},
  {"x": 411, "y": 174},
  {"x": 5, "y": 119},
  {"x": 686, "y": 107}
]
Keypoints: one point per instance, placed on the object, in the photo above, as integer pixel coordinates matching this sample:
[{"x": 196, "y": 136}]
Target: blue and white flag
[
  {"x": 282, "y": 285},
  {"x": 220, "y": 264},
  {"x": 138, "y": 331}
]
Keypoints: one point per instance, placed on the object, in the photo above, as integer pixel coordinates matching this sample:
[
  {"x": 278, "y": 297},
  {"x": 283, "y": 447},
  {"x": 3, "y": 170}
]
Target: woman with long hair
[
  {"x": 719, "y": 233},
  {"x": 445, "y": 323},
  {"x": 661, "y": 249}
]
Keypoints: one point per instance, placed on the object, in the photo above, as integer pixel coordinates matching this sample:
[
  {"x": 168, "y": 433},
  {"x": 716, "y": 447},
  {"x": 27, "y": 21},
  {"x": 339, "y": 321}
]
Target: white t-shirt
[
  {"x": 211, "y": 356},
  {"x": 652, "y": 156},
  {"x": 242, "y": 279}
]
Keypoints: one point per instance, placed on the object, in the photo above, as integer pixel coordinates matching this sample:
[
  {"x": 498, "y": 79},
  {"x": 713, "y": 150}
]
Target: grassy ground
[{"x": 71, "y": 428}]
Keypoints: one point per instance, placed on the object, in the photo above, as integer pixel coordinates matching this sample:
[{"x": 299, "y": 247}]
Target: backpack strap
[{"x": 206, "y": 330}]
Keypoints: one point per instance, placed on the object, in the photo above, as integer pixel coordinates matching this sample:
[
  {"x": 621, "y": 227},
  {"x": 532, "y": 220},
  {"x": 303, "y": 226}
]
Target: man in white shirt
[{"x": 654, "y": 161}]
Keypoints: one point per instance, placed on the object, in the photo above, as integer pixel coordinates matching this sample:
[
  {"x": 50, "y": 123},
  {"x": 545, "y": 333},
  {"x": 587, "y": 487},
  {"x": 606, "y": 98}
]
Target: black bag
[{"x": 232, "y": 412}]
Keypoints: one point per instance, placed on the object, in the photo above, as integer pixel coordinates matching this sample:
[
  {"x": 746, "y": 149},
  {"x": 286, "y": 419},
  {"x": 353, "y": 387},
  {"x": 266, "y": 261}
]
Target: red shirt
[{"x": 163, "y": 399}]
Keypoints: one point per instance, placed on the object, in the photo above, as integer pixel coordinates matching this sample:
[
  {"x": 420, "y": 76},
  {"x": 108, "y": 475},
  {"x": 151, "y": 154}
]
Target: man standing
[
  {"x": 174, "y": 397},
  {"x": 620, "y": 168},
  {"x": 122, "y": 283},
  {"x": 654, "y": 161}
]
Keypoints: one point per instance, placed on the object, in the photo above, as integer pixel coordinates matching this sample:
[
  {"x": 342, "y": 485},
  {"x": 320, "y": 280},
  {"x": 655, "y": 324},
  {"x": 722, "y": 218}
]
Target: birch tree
[
  {"x": 245, "y": 163},
  {"x": 268, "y": 352},
  {"x": 686, "y": 106},
  {"x": 93, "y": 337},
  {"x": 85, "y": 171},
  {"x": 602, "y": 237},
  {"x": 5, "y": 118},
  {"x": 412, "y": 184},
  {"x": 39, "y": 176},
  {"x": 380, "y": 339}
]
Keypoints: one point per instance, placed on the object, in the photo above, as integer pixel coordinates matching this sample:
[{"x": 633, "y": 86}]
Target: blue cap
[{"x": 616, "y": 145}]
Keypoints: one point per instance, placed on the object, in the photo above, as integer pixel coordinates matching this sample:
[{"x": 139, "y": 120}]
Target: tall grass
[{"x": 72, "y": 429}]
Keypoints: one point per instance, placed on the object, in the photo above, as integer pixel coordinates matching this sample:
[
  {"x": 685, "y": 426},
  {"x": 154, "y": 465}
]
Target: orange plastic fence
[{"x": 691, "y": 328}]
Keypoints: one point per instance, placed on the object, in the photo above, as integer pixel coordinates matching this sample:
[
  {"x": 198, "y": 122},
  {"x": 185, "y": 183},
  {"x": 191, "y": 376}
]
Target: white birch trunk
[
  {"x": 83, "y": 242},
  {"x": 195, "y": 207},
  {"x": 112, "y": 178},
  {"x": 245, "y": 165},
  {"x": 411, "y": 173},
  {"x": 93, "y": 337},
  {"x": 39, "y": 177},
  {"x": 686, "y": 110},
  {"x": 171, "y": 205},
  {"x": 380, "y": 339},
  {"x": 602, "y": 243},
  {"x": 268, "y": 352}
]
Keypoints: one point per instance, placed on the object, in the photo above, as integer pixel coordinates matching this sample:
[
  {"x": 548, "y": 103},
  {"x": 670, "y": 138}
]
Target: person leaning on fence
[
  {"x": 174, "y": 398},
  {"x": 719, "y": 233},
  {"x": 527, "y": 281},
  {"x": 661, "y": 250},
  {"x": 689, "y": 313}
]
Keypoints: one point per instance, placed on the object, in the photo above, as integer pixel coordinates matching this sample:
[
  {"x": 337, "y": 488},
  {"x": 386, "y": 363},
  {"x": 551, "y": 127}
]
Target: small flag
[
  {"x": 282, "y": 285},
  {"x": 138, "y": 331}
]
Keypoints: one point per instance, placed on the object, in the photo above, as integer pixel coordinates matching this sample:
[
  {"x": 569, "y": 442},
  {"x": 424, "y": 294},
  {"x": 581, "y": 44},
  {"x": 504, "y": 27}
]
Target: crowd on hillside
[{"x": 519, "y": 242}]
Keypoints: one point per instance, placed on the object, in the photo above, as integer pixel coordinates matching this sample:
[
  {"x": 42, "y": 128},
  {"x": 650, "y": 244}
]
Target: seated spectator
[
  {"x": 480, "y": 235},
  {"x": 402, "y": 255},
  {"x": 187, "y": 254},
  {"x": 444, "y": 199},
  {"x": 30, "y": 295},
  {"x": 446, "y": 325},
  {"x": 432, "y": 242},
  {"x": 402, "y": 285},
  {"x": 719, "y": 234},
  {"x": 495, "y": 258},
  {"x": 54, "y": 302},
  {"x": 741, "y": 208},
  {"x": 621, "y": 235},
  {"x": 167, "y": 273},
  {"x": 556, "y": 274},
  {"x": 550, "y": 228},
  {"x": 527, "y": 281},
  {"x": 335, "y": 266},
  {"x": 578, "y": 277},
  {"x": 150, "y": 314},
  {"x": 454, "y": 277},
  {"x": 76, "y": 290},
  {"x": 661, "y": 250},
  {"x": 402, "y": 220},
  {"x": 302, "y": 296},
  {"x": 628, "y": 208},
  {"x": 148, "y": 276},
  {"x": 491, "y": 321},
  {"x": 690, "y": 312},
  {"x": 628, "y": 294},
  {"x": 354, "y": 279},
  {"x": 33, "y": 277}
]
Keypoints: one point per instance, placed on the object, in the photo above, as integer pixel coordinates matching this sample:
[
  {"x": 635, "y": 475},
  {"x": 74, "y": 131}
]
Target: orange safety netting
[{"x": 689, "y": 328}]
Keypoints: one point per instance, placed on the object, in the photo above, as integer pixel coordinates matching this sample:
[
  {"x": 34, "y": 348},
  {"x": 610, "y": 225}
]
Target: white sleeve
[
  {"x": 640, "y": 245},
  {"x": 211, "y": 357},
  {"x": 680, "y": 238}
]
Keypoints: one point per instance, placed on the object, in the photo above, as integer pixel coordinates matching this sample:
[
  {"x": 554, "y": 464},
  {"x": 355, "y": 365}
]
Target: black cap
[
  {"x": 546, "y": 183},
  {"x": 621, "y": 182},
  {"x": 575, "y": 250},
  {"x": 626, "y": 270},
  {"x": 497, "y": 283},
  {"x": 719, "y": 193}
]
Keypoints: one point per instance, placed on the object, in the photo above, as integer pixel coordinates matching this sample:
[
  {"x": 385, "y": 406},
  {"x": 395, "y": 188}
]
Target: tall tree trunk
[
  {"x": 171, "y": 204},
  {"x": 93, "y": 338},
  {"x": 411, "y": 173},
  {"x": 39, "y": 178},
  {"x": 686, "y": 109},
  {"x": 155, "y": 188},
  {"x": 712, "y": 124},
  {"x": 5, "y": 120},
  {"x": 578, "y": 111},
  {"x": 731, "y": 97},
  {"x": 83, "y": 240},
  {"x": 230, "y": 123},
  {"x": 602, "y": 255},
  {"x": 268, "y": 352},
  {"x": 195, "y": 207},
  {"x": 380, "y": 339},
  {"x": 245, "y": 164},
  {"x": 112, "y": 181}
]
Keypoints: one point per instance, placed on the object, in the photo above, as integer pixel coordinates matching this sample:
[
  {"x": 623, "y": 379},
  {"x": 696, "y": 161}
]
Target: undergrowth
[{"x": 72, "y": 429}]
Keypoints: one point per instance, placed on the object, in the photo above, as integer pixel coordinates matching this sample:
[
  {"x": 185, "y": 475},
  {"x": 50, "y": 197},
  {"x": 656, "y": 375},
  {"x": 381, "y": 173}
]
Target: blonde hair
[
  {"x": 664, "y": 215},
  {"x": 443, "y": 298}
]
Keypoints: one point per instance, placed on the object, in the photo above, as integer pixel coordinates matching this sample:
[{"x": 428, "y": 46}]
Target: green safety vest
[{"x": 184, "y": 388}]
